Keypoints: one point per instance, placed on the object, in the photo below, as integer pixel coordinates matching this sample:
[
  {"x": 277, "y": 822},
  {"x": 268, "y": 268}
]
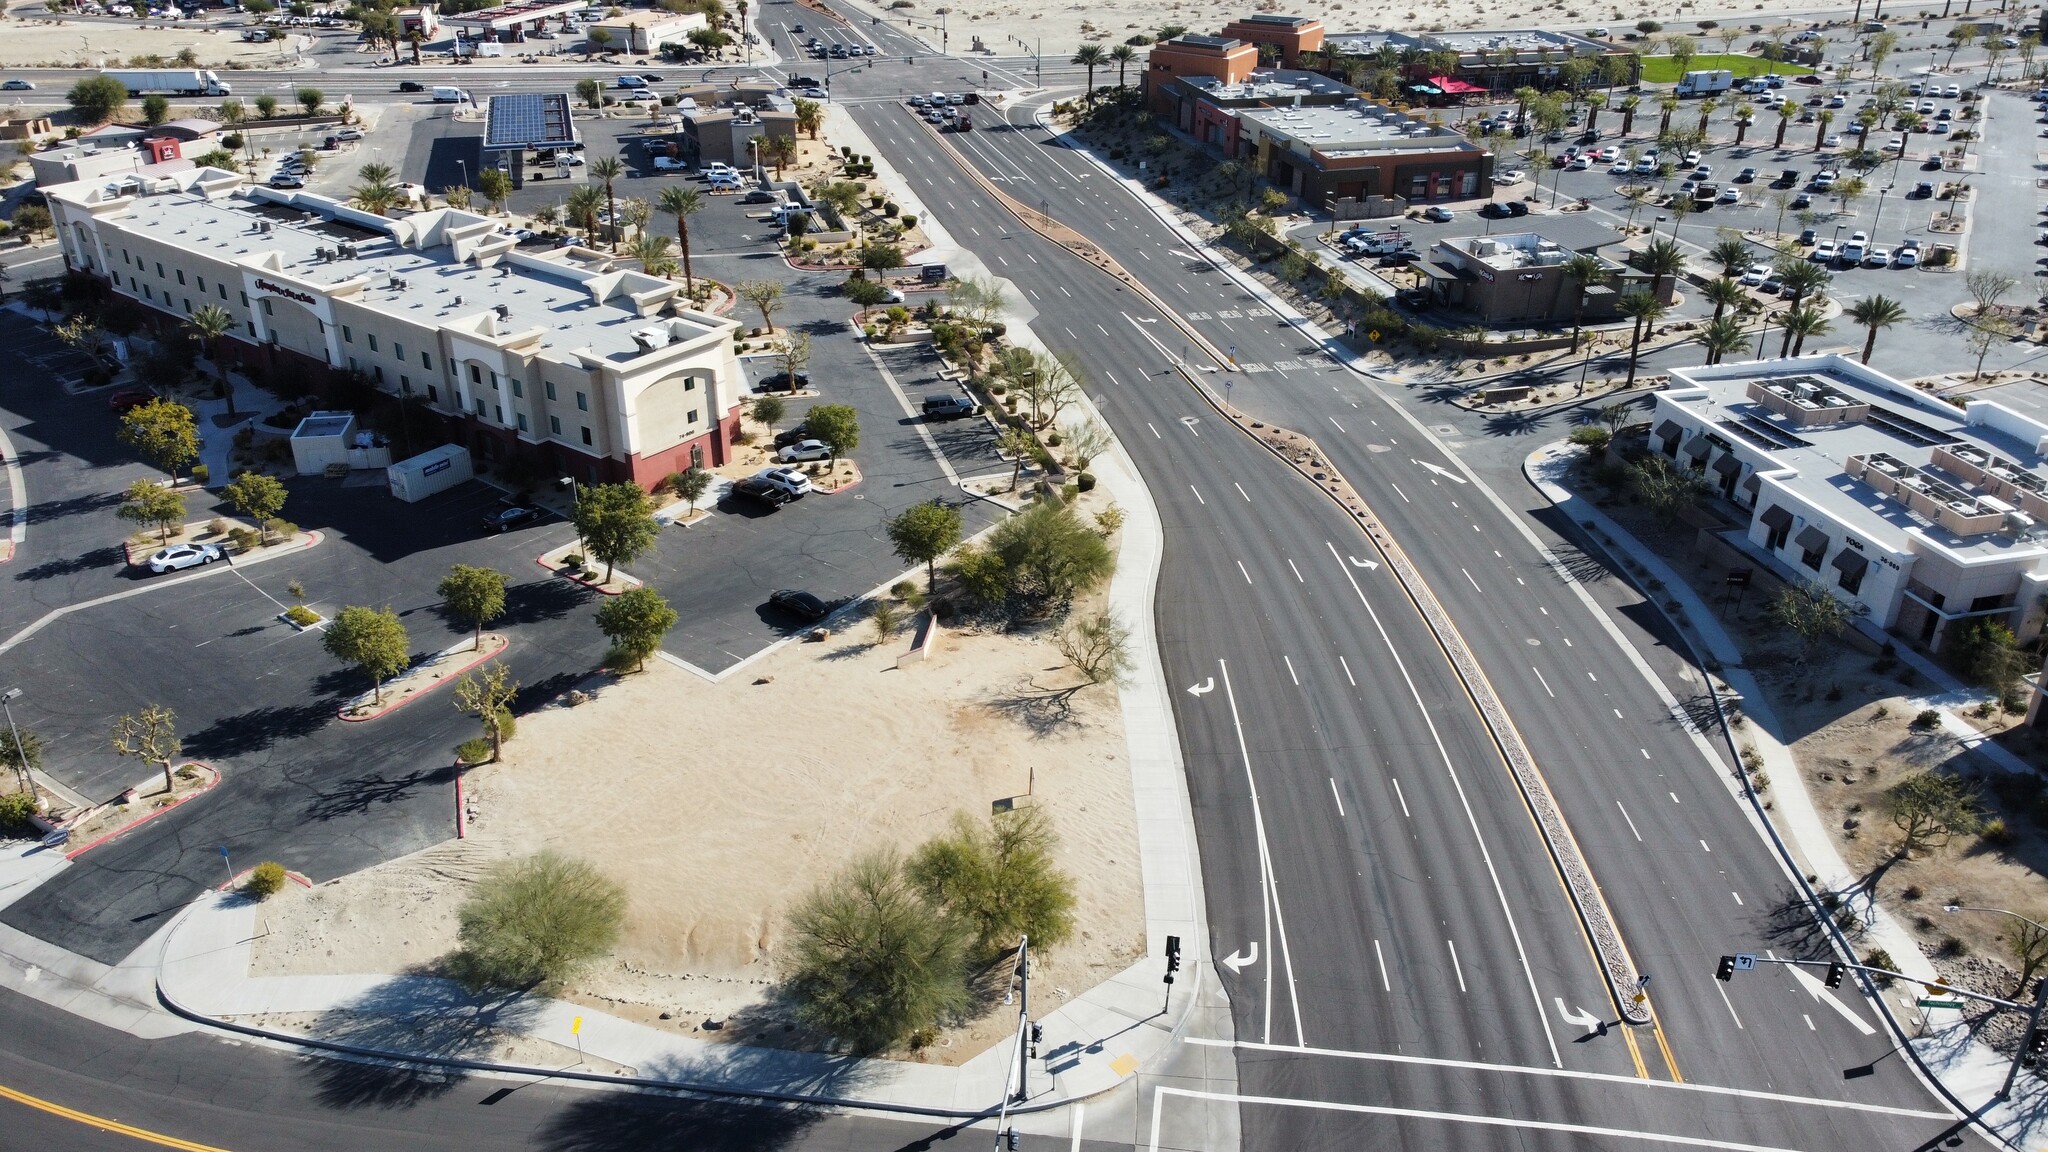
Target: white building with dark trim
[
  {"x": 1918, "y": 514},
  {"x": 565, "y": 360}
]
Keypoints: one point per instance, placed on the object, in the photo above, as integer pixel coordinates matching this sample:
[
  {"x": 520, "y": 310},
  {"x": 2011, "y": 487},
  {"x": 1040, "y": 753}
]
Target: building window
[
  {"x": 582, "y": 402},
  {"x": 550, "y": 386},
  {"x": 352, "y": 365},
  {"x": 124, "y": 256},
  {"x": 499, "y": 410},
  {"x": 397, "y": 351},
  {"x": 202, "y": 285},
  {"x": 405, "y": 384},
  {"x": 586, "y": 433},
  {"x": 555, "y": 425},
  {"x": 377, "y": 371},
  {"x": 188, "y": 305},
  {"x": 266, "y": 306},
  {"x": 252, "y": 329},
  {"x": 372, "y": 338},
  {"x": 494, "y": 381},
  {"x": 521, "y": 417},
  {"x": 1811, "y": 557},
  {"x": 159, "y": 269},
  {"x": 223, "y": 290},
  {"x": 1852, "y": 579},
  {"x": 476, "y": 375},
  {"x": 433, "y": 394},
  {"x": 427, "y": 361},
  {"x": 245, "y": 302},
  {"x": 689, "y": 383},
  {"x": 181, "y": 275},
  {"x": 347, "y": 336},
  {"x": 147, "y": 294},
  {"x": 693, "y": 416},
  {"x": 517, "y": 388},
  {"x": 479, "y": 409}
]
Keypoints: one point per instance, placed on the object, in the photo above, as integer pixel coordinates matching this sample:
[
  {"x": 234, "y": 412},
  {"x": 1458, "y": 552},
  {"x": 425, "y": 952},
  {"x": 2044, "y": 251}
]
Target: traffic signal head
[
  {"x": 1726, "y": 970},
  {"x": 1038, "y": 1033},
  {"x": 1835, "y": 974},
  {"x": 1013, "y": 1140},
  {"x": 1173, "y": 953}
]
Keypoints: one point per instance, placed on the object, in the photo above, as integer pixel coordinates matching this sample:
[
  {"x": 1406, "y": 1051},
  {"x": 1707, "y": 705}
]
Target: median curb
[
  {"x": 444, "y": 679},
  {"x": 139, "y": 821}
]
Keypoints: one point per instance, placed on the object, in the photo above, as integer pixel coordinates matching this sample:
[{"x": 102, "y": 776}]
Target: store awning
[
  {"x": 1699, "y": 447},
  {"x": 1667, "y": 429},
  {"x": 1776, "y": 518},
  {"x": 1728, "y": 465},
  {"x": 1851, "y": 563},
  {"x": 1455, "y": 87},
  {"x": 1811, "y": 539},
  {"x": 1754, "y": 484}
]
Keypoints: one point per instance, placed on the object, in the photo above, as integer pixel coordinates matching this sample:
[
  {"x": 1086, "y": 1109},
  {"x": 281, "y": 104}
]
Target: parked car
[
  {"x": 179, "y": 556},
  {"x": 1921, "y": 190},
  {"x": 1752, "y": 278},
  {"x": 1907, "y": 257},
  {"x": 780, "y": 382},
  {"x": 349, "y": 134},
  {"x": 128, "y": 398},
  {"x": 286, "y": 180},
  {"x": 1495, "y": 210},
  {"x": 804, "y": 450},
  {"x": 1823, "y": 253},
  {"x": 790, "y": 480},
  {"x": 506, "y": 517},
  {"x": 1878, "y": 257},
  {"x": 948, "y": 406},
  {"x": 1807, "y": 236},
  {"x": 757, "y": 196},
  {"x": 754, "y": 490},
  {"x": 1745, "y": 176},
  {"x": 669, "y": 164},
  {"x": 802, "y": 605},
  {"x": 1731, "y": 196},
  {"x": 1439, "y": 214},
  {"x": 791, "y": 435}
]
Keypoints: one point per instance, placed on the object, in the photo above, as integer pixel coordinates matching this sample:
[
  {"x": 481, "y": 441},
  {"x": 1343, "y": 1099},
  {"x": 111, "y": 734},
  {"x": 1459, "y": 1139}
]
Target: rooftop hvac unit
[
  {"x": 2017, "y": 524},
  {"x": 396, "y": 284},
  {"x": 322, "y": 254},
  {"x": 652, "y": 337},
  {"x": 263, "y": 226},
  {"x": 504, "y": 311}
]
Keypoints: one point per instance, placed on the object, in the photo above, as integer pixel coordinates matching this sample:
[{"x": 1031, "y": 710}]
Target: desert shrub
[
  {"x": 244, "y": 539},
  {"x": 1879, "y": 958},
  {"x": 998, "y": 879},
  {"x": 476, "y": 751},
  {"x": 15, "y": 810},
  {"x": 1996, "y": 833},
  {"x": 870, "y": 963},
  {"x": 265, "y": 880},
  {"x": 531, "y": 922},
  {"x": 1927, "y": 718},
  {"x": 216, "y": 527},
  {"x": 301, "y": 615}
]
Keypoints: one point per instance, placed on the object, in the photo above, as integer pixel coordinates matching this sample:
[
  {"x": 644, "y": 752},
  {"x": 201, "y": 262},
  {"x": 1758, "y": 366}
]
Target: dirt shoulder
[{"x": 720, "y": 805}]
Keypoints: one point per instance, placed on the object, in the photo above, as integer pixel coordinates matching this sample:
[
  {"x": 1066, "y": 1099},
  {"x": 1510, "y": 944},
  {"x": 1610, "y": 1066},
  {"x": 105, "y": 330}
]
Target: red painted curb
[
  {"x": 344, "y": 717},
  {"x": 128, "y": 551},
  {"x": 75, "y": 853},
  {"x": 564, "y": 574}
]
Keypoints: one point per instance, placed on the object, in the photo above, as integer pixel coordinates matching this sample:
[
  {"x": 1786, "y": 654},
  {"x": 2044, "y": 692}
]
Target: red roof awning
[{"x": 1455, "y": 87}]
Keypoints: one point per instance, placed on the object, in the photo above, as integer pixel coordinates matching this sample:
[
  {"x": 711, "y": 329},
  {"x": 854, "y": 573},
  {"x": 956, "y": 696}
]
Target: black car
[
  {"x": 790, "y": 436},
  {"x": 1517, "y": 208},
  {"x": 651, "y": 77},
  {"x": 760, "y": 196},
  {"x": 779, "y": 382},
  {"x": 1801, "y": 201},
  {"x": 1590, "y": 136},
  {"x": 509, "y": 516},
  {"x": 411, "y": 86},
  {"x": 1495, "y": 210},
  {"x": 803, "y": 605},
  {"x": 754, "y": 490}
]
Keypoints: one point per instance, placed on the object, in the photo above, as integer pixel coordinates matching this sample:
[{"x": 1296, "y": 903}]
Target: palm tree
[
  {"x": 781, "y": 152},
  {"x": 682, "y": 203},
  {"x": 1875, "y": 312},
  {"x": 809, "y": 115},
  {"x": 582, "y": 207},
  {"x": 1784, "y": 122},
  {"x": 1628, "y": 107},
  {"x": 210, "y": 324},
  {"x": 1668, "y": 104},
  {"x": 1745, "y": 115},
  {"x": 1645, "y": 309},
  {"x": 1724, "y": 294},
  {"x": 1123, "y": 54},
  {"x": 1804, "y": 322},
  {"x": 1722, "y": 335},
  {"x": 1662, "y": 259},
  {"x": 1584, "y": 270},
  {"x": 1731, "y": 254},
  {"x": 1595, "y": 101},
  {"x": 1801, "y": 278},
  {"x": 376, "y": 173},
  {"x": 652, "y": 253},
  {"x": 1821, "y": 131},
  {"x": 1707, "y": 107},
  {"x": 608, "y": 169},
  {"x": 1091, "y": 57}
]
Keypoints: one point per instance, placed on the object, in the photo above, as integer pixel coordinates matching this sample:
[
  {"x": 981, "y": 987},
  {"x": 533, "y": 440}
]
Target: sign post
[
  {"x": 229, "y": 864},
  {"x": 576, "y": 1030}
]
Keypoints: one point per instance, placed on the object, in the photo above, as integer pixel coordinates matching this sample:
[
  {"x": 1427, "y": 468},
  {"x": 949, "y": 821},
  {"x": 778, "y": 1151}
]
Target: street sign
[
  {"x": 576, "y": 1026},
  {"x": 1739, "y": 577},
  {"x": 1926, "y": 1003},
  {"x": 1374, "y": 335},
  {"x": 1745, "y": 961}
]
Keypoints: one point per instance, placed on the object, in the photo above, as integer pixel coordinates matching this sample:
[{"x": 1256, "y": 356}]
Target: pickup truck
[{"x": 948, "y": 406}]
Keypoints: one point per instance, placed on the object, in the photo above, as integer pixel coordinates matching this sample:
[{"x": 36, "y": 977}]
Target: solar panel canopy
[{"x": 521, "y": 120}]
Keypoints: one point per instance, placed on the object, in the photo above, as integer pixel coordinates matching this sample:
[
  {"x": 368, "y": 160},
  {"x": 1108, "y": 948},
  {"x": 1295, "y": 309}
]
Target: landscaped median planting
[
  {"x": 96, "y": 825},
  {"x": 435, "y": 671},
  {"x": 573, "y": 562}
]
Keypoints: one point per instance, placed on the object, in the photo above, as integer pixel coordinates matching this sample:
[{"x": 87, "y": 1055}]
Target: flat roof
[
  {"x": 566, "y": 294},
  {"x": 1521, "y": 40},
  {"x": 1903, "y": 429},
  {"x": 1282, "y": 21},
  {"x": 1271, "y": 84},
  {"x": 1196, "y": 41},
  {"x": 522, "y": 12},
  {"x": 1357, "y": 127},
  {"x": 529, "y": 120}
]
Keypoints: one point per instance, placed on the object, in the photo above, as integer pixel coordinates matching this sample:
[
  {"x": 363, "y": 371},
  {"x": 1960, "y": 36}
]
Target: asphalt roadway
[{"x": 1680, "y": 859}]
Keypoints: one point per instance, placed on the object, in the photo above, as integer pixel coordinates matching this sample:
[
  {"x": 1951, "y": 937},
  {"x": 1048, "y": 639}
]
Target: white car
[
  {"x": 1579, "y": 164},
  {"x": 1878, "y": 257},
  {"x": 669, "y": 164},
  {"x": 1906, "y": 258},
  {"x": 1703, "y": 172},
  {"x": 1832, "y": 140},
  {"x": 1620, "y": 168},
  {"x": 1753, "y": 277},
  {"x": 1953, "y": 92},
  {"x": 804, "y": 450},
  {"x": 1610, "y": 154},
  {"x": 179, "y": 556},
  {"x": 790, "y": 480},
  {"x": 724, "y": 183},
  {"x": 1823, "y": 252},
  {"x": 1731, "y": 195},
  {"x": 349, "y": 134},
  {"x": 1693, "y": 157},
  {"x": 1646, "y": 165},
  {"x": 1511, "y": 176}
]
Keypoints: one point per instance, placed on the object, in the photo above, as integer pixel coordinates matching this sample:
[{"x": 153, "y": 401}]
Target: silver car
[{"x": 179, "y": 556}]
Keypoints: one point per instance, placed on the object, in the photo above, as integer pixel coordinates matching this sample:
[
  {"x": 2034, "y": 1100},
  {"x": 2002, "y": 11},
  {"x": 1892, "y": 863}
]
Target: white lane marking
[
  {"x": 1113, "y": 379},
  {"x": 1101, "y": 329},
  {"x": 1247, "y": 575},
  {"x": 1290, "y": 670},
  {"x": 1471, "y": 819},
  {"x": 1455, "y": 966},
  {"x": 1474, "y": 583},
  {"x": 1618, "y": 715},
  {"x": 1005, "y": 263},
  {"x": 1631, "y": 822},
  {"x": 1802, "y": 1016},
  {"x": 1567, "y": 641},
  {"x": 1241, "y": 491},
  {"x": 1401, "y": 494},
  {"x": 1080, "y": 1110},
  {"x": 1064, "y": 292},
  {"x": 1030, "y": 257},
  {"x": 1738, "y": 898},
  {"x": 1674, "y": 797},
  {"x": 1731, "y": 1005},
  {"x": 1385, "y": 985},
  {"x": 1820, "y": 992},
  {"x": 1272, "y": 894},
  {"x": 1070, "y": 334},
  {"x": 1645, "y": 752},
  {"x": 1439, "y": 469},
  {"x": 973, "y": 229},
  {"x": 1593, "y": 678},
  {"x": 1034, "y": 293},
  {"x": 1401, "y": 796},
  {"x": 1155, "y": 431},
  {"x": 1198, "y": 494},
  {"x": 1542, "y": 681},
  {"x": 1333, "y": 420},
  {"x": 1347, "y": 671},
  {"x": 1614, "y": 1078},
  {"x": 1334, "y": 793},
  {"x": 1703, "y": 845},
  {"x": 1297, "y": 571}
]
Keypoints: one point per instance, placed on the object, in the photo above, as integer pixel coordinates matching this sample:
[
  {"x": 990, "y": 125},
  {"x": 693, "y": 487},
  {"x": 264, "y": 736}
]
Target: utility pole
[{"x": 1023, "y": 1015}]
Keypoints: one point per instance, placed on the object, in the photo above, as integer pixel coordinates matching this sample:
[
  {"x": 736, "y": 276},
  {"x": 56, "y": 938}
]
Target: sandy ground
[
  {"x": 720, "y": 805},
  {"x": 1064, "y": 27},
  {"x": 102, "y": 44},
  {"x": 1848, "y": 718}
]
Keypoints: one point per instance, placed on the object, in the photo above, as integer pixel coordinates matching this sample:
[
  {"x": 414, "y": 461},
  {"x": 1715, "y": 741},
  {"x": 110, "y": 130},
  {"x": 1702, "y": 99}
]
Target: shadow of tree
[
  {"x": 1521, "y": 423},
  {"x": 358, "y": 794},
  {"x": 1443, "y": 393},
  {"x": 422, "y": 1016},
  {"x": 1044, "y": 711},
  {"x": 258, "y": 729},
  {"x": 537, "y": 600},
  {"x": 87, "y": 561},
  {"x": 70, "y": 506},
  {"x": 638, "y": 1122}
]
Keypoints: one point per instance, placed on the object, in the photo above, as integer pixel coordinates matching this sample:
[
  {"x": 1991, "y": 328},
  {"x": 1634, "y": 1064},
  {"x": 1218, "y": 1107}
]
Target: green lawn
[{"x": 1664, "y": 70}]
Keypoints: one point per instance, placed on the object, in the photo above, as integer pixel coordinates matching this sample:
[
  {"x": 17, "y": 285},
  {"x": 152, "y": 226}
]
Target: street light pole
[
  {"x": 2040, "y": 998},
  {"x": 21, "y": 768}
]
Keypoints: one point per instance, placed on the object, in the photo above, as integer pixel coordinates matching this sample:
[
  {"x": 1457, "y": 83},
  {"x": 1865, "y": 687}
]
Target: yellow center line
[
  {"x": 1634, "y": 1053},
  {"x": 104, "y": 1124},
  {"x": 1663, "y": 1044}
]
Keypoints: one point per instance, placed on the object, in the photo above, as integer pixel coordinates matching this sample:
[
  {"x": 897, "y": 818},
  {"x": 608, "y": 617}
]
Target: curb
[
  {"x": 563, "y": 573},
  {"x": 75, "y": 853},
  {"x": 342, "y": 712}
]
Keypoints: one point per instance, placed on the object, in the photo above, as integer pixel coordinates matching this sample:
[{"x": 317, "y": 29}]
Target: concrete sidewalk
[{"x": 1968, "y": 1071}]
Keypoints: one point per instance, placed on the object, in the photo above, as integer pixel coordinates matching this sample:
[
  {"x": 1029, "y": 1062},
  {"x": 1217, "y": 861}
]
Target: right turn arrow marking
[
  {"x": 1578, "y": 1017},
  {"x": 1237, "y": 960}
]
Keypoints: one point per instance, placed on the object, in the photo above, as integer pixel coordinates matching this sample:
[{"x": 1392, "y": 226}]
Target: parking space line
[{"x": 923, "y": 430}]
